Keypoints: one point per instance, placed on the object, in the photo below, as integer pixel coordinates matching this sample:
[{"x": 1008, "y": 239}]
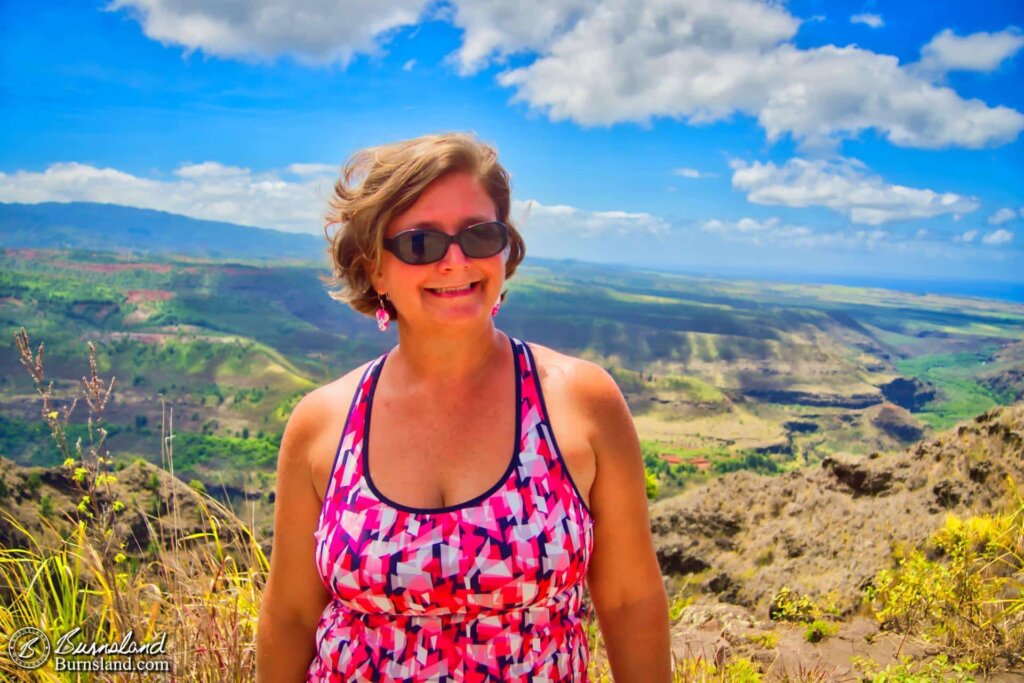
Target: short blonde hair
[{"x": 379, "y": 183}]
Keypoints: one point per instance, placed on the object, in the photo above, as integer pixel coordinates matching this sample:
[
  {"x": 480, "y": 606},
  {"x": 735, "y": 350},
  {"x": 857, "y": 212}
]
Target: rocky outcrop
[
  {"x": 858, "y": 477},
  {"x": 830, "y": 529},
  {"x": 896, "y": 422},
  {"x": 817, "y": 399},
  {"x": 910, "y": 393},
  {"x": 1008, "y": 382}
]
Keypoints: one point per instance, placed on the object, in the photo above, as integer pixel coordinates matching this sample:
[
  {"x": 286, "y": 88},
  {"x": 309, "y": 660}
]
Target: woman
[{"x": 451, "y": 561}]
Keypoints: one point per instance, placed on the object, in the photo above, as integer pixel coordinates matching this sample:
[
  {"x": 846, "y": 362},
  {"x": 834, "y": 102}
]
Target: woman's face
[{"x": 452, "y": 202}]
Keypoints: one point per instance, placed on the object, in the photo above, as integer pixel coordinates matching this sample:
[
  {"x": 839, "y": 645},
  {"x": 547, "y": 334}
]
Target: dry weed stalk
[{"x": 200, "y": 588}]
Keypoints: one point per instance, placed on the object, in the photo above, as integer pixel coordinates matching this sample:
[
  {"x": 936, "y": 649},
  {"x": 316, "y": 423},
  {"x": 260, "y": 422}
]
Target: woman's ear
[{"x": 376, "y": 277}]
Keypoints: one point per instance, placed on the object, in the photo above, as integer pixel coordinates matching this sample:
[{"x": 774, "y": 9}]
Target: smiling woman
[{"x": 454, "y": 560}]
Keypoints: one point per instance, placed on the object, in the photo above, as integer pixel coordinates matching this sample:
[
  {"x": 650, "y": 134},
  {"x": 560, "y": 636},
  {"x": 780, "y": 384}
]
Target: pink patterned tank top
[{"x": 486, "y": 590}]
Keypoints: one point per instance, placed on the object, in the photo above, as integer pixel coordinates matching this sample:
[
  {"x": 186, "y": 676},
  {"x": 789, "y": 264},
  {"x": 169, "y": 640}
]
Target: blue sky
[{"x": 816, "y": 140}]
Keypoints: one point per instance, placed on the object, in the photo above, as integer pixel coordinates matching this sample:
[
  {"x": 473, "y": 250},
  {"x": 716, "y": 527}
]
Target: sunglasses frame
[{"x": 391, "y": 244}]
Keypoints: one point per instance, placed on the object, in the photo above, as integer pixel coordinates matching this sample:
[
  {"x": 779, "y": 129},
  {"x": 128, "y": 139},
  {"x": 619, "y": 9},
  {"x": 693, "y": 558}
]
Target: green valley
[{"x": 719, "y": 374}]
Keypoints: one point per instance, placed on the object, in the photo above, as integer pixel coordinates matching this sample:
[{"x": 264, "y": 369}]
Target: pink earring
[
  {"x": 496, "y": 308},
  {"x": 383, "y": 317}
]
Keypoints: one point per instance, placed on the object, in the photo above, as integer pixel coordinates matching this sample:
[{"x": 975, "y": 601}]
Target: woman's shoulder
[
  {"x": 319, "y": 409},
  {"x": 574, "y": 377}
]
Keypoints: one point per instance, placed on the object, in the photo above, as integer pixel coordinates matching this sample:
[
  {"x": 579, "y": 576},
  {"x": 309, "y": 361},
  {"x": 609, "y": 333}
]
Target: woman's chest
[{"x": 521, "y": 545}]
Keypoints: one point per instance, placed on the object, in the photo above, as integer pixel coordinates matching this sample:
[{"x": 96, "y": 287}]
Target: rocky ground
[{"x": 825, "y": 533}]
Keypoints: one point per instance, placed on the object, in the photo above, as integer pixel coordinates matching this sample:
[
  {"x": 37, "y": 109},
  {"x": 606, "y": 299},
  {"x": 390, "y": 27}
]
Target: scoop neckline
[{"x": 513, "y": 462}]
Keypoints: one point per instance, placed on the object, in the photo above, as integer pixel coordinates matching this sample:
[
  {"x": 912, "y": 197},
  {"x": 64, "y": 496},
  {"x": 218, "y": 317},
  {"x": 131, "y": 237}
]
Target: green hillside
[{"x": 719, "y": 374}]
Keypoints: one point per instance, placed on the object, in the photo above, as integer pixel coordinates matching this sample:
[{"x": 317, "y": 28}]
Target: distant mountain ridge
[{"x": 112, "y": 227}]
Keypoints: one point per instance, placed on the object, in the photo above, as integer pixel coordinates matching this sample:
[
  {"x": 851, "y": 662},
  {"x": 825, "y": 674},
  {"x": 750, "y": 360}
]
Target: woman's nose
[{"x": 454, "y": 256}]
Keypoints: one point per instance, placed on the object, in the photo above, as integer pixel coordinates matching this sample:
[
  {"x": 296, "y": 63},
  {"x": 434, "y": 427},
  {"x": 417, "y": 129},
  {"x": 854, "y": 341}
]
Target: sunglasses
[{"x": 421, "y": 246}]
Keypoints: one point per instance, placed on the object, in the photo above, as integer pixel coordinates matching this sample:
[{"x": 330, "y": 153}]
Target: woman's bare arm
[
  {"x": 624, "y": 577},
  {"x": 294, "y": 596}
]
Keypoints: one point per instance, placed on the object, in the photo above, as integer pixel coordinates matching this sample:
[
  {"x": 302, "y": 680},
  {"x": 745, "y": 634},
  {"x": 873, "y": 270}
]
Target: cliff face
[{"x": 829, "y": 530}]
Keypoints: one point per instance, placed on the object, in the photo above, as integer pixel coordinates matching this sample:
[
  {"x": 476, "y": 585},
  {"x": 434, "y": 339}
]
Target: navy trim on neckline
[
  {"x": 513, "y": 463},
  {"x": 356, "y": 398},
  {"x": 546, "y": 421}
]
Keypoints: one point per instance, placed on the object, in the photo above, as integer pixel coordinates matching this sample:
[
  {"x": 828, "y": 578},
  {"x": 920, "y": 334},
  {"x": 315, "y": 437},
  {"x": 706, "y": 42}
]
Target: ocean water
[{"x": 1005, "y": 291}]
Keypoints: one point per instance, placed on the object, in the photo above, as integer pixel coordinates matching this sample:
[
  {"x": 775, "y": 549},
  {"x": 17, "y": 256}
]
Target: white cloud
[
  {"x": 210, "y": 170},
  {"x": 633, "y": 60},
  {"x": 977, "y": 52},
  {"x": 409, "y": 64},
  {"x": 313, "y": 169},
  {"x": 1003, "y": 215},
  {"x": 966, "y": 236},
  {"x": 703, "y": 61},
  {"x": 208, "y": 191},
  {"x": 533, "y": 216},
  {"x": 761, "y": 232},
  {"x": 311, "y": 31},
  {"x": 494, "y": 29},
  {"x": 693, "y": 173},
  {"x": 997, "y": 237},
  {"x": 844, "y": 186},
  {"x": 872, "y": 20}
]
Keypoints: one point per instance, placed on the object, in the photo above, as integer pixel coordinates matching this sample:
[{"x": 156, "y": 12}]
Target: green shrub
[
  {"x": 818, "y": 630},
  {"x": 788, "y": 605},
  {"x": 969, "y": 600},
  {"x": 46, "y": 507}
]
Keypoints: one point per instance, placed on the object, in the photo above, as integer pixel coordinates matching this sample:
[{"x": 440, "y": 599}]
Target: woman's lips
[{"x": 453, "y": 294}]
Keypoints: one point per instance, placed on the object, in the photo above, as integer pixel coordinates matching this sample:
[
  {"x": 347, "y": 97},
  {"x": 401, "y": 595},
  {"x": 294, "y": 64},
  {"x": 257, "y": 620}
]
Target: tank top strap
[
  {"x": 347, "y": 456},
  {"x": 532, "y": 410},
  {"x": 537, "y": 434}
]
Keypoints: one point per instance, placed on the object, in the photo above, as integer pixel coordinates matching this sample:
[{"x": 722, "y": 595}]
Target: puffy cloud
[
  {"x": 966, "y": 236},
  {"x": 633, "y": 60},
  {"x": 313, "y": 169},
  {"x": 210, "y": 170},
  {"x": 977, "y": 52},
  {"x": 493, "y": 29},
  {"x": 703, "y": 61},
  {"x": 311, "y": 31},
  {"x": 774, "y": 231},
  {"x": 208, "y": 191},
  {"x": 559, "y": 218},
  {"x": 998, "y": 237},
  {"x": 872, "y": 20},
  {"x": 760, "y": 231},
  {"x": 693, "y": 173},
  {"x": 560, "y": 231},
  {"x": 844, "y": 186},
  {"x": 1003, "y": 215},
  {"x": 409, "y": 64}
]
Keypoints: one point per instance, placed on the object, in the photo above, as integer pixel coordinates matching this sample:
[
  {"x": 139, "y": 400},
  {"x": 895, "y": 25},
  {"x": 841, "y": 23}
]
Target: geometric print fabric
[{"x": 490, "y": 589}]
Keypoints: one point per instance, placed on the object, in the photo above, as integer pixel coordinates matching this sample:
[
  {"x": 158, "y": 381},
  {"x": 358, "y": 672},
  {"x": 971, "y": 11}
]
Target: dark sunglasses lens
[
  {"x": 421, "y": 247},
  {"x": 484, "y": 240}
]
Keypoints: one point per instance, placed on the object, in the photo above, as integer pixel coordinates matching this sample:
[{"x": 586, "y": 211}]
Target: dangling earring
[
  {"x": 383, "y": 317},
  {"x": 496, "y": 308}
]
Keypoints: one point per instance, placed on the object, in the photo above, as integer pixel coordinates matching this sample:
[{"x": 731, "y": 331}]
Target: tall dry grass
[{"x": 201, "y": 589}]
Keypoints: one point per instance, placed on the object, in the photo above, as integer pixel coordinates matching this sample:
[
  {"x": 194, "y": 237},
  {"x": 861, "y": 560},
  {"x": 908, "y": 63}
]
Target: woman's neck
[{"x": 439, "y": 361}]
